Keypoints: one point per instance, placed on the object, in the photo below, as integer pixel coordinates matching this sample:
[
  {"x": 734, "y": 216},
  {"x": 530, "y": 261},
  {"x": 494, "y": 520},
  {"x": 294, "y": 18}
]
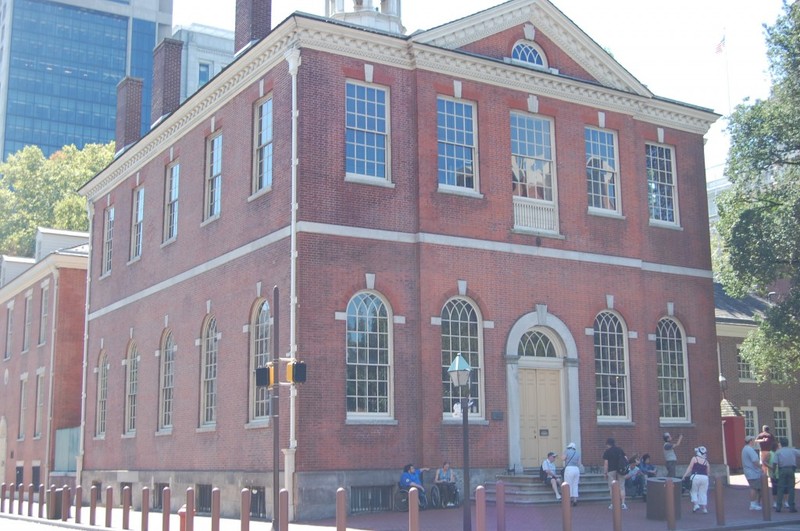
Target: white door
[{"x": 540, "y": 415}]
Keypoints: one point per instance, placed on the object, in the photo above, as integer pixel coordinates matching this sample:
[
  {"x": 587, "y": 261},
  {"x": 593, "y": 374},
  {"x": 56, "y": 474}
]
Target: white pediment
[{"x": 546, "y": 18}]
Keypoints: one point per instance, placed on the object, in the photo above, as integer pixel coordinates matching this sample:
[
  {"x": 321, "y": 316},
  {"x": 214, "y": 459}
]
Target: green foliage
[
  {"x": 760, "y": 215},
  {"x": 39, "y": 192}
]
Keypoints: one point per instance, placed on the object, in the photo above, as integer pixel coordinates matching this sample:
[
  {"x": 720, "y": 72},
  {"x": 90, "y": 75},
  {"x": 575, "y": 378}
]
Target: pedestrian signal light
[
  {"x": 296, "y": 371},
  {"x": 266, "y": 376}
]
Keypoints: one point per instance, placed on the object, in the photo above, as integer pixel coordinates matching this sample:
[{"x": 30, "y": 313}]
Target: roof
[{"x": 731, "y": 310}]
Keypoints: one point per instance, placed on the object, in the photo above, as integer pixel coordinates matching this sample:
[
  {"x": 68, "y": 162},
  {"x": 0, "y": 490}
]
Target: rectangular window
[
  {"x": 456, "y": 134},
  {"x": 137, "y": 223},
  {"x": 366, "y": 131},
  {"x": 43, "y": 314},
  {"x": 171, "y": 202},
  {"x": 22, "y": 407},
  {"x": 533, "y": 173},
  {"x": 37, "y": 425},
  {"x": 662, "y": 196},
  {"x": 782, "y": 423},
  {"x": 750, "y": 415},
  {"x": 744, "y": 367},
  {"x": 9, "y": 330},
  {"x": 26, "y": 331},
  {"x": 602, "y": 174},
  {"x": 203, "y": 74},
  {"x": 262, "y": 176},
  {"x": 213, "y": 177},
  {"x": 108, "y": 239}
]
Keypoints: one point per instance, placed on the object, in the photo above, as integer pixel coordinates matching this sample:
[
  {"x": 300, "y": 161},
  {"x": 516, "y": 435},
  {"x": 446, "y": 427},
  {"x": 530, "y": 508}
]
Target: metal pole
[
  {"x": 273, "y": 413},
  {"x": 465, "y": 434}
]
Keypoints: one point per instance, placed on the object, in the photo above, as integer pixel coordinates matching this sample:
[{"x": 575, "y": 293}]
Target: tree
[
  {"x": 760, "y": 214},
  {"x": 39, "y": 192}
]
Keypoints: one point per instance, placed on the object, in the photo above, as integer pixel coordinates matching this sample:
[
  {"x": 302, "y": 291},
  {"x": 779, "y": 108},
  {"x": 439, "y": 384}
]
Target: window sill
[
  {"x": 209, "y": 220},
  {"x": 129, "y": 435},
  {"x": 257, "y": 424},
  {"x": 168, "y": 242},
  {"x": 371, "y": 421},
  {"x": 368, "y": 180},
  {"x": 614, "y": 422},
  {"x": 459, "y": 421},
  {"x": 164, "y": 432},
  {"x": 259, "y": 193},
  {"x": 134, "y": 260},
  {"x": 665, "y": 225},
  {"x": 210, "y": 428},
  {"x": 459, "y": 190},
  {"x": 613, "y": 214},
  {"x": 534, "y": 232}
]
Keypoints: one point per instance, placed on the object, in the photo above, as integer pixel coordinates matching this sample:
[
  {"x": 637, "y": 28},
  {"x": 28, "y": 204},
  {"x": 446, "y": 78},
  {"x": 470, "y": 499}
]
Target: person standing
[
  {"x": 614, "y": 461},
  {"x": 572, "y": 471},
  {"x": 786, "y": 459},
  {"x": 751, "y": 465},
  {"x": 766, "y": 441},
  {"x": 670, "y": 457},
  {"x": 550, "y": 474},
  {"x": 699, "y": 468}
]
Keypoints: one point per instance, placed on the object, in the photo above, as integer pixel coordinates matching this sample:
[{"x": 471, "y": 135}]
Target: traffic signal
[
  {"x": 266, "y": 376},
  {"x": 296, "y": 371}
]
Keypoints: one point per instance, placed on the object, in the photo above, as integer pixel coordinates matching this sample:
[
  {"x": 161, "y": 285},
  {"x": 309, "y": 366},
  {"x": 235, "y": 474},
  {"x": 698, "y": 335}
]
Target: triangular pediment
[{"x": 547, "y": 20}]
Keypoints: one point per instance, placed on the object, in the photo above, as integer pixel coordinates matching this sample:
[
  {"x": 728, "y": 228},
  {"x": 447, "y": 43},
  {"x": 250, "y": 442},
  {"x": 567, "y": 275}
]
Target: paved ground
[{"x": 593, "y": 515}]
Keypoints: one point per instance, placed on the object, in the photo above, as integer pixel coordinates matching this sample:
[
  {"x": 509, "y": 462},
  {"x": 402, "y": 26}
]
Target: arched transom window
[
  {"x": 611, "y": 367},
  {"x": 535, "y": 343},
  {"x": 368, "y": 356},
  {"x": 672, "y": 378},
  {"x": 461, "y": 334},
  {"x": 529, "y": 53}
]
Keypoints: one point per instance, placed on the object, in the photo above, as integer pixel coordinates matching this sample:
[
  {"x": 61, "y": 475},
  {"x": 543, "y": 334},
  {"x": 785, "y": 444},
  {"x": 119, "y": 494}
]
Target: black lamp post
[{"x": 459, "y": 372}]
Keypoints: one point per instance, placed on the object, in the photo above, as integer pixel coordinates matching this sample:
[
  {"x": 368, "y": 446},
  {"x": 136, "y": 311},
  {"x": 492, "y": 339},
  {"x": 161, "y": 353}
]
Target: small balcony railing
[{"x": 535, "y": 215}]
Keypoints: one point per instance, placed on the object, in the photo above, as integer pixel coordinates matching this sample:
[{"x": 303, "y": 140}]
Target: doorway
[{"x": 540, "y": 415}]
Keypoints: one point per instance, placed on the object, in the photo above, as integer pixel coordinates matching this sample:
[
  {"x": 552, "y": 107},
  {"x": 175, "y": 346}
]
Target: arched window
[
  {"x": 208, "y": 376},
  {"x": 536, "y": 343},
  {"x": 672, "y": 375},
  {"x": 611, "y": 367},
  {"x": 260, "y": 355},
  {"x": 131, "y": 388},
  {"x": 529, "y": 53},
  {"x": 102, "y": 396},
  {"x": 166, "y": 391},
  {"x": 369, "y": 356},
  {"x": 462, "y": 334}
]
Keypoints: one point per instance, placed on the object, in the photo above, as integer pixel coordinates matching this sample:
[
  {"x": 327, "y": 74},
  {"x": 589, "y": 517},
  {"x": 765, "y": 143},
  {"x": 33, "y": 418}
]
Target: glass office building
[{"x": 61, "y": 61}]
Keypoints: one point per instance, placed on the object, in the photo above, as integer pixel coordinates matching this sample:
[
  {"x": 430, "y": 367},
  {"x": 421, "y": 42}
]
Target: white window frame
[
  {"x": 369, "y": 330},
  {"x": 453, "y": 342},
  {"x": 23, "y": 406},
  {"x": 260, "y": 355},
  {"x": 26, "y": 330},
  {"x": 166, "y": 382},
  {"x": 599, "y": 345},
  {"x": 101, "y": 413},
  {"x": 523, "y": 50},
  {"x": 39, "y": 416},
  {"x": 777, "y": 429},
  {"x": 137, "y": 223},
  {"x": 131, "y": 388},
  {"x": 44, "y": 312},
  {"x": 453, "y": 144},
  {"x": 752, "y": 411},
  {"x": 208, "y": 373},
  {"x": 171, "y": 193},
  {"x": 743, "y": 367},
  {"x": 9, "y": 330},
  {"x": 604, "y": 158},
  {"x": 263, "y": 146},
  {"x": 212, "y": 204},
  {"x": 367, "y": 132},
  {"x": 665, "y": 187},
  {"x": 672, "y": 385},
  {"x": 108, "y": 241}
]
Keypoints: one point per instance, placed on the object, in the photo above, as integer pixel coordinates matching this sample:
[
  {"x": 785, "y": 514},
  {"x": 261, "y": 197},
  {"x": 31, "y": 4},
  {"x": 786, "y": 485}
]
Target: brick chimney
[
  {"x": 129, "y": 112},
  {"x": 253, "y": 22},
  {"x": 166, "y": 78}
]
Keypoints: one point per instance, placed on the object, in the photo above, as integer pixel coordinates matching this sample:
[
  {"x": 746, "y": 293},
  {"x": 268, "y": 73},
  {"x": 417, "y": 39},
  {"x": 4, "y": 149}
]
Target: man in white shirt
[{"x": 751, "y": 465}]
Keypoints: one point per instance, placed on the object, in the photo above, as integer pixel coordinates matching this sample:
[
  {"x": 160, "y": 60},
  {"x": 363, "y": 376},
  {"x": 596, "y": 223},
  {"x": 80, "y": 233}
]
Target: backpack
[{"x": 623, "y": 466}]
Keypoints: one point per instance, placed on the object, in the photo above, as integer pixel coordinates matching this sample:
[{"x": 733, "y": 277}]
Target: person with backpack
[
  {"x": 615, "y": 468},
  {"x": 699, "y": 469}
]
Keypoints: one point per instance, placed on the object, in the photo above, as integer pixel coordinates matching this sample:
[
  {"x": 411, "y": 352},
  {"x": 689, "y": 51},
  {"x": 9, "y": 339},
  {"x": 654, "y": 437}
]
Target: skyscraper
[{"x": 60, "y": 62}]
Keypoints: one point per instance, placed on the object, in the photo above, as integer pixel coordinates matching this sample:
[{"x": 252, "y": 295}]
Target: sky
[{"x": 672, "y": 46}]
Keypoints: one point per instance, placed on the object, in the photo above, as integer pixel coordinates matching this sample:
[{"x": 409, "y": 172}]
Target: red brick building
[
  {"x": 497, "y": 187},
  {"x": 43, "y": 303}
]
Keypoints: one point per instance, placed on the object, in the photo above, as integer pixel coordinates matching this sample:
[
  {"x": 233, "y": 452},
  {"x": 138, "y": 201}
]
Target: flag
[{"x": 721, "y": 46}]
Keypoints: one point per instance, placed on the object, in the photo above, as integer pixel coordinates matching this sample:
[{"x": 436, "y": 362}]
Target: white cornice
[
  {"x": 41, "y": 270},
  {"x": 735, "y": 330},
  {"x": 320, "y": 34}
]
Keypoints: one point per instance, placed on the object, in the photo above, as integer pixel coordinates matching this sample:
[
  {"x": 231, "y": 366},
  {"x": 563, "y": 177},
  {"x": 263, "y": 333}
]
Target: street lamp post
[{"x": 459, "y": 372}]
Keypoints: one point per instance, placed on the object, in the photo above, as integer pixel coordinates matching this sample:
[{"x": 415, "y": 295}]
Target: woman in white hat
[
  {"x": 572, "y": 470},
  {"x": 699, "y": 469}
]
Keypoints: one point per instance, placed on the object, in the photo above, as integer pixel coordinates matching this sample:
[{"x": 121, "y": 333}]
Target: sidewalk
[{"x": 585, "y": 516}]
